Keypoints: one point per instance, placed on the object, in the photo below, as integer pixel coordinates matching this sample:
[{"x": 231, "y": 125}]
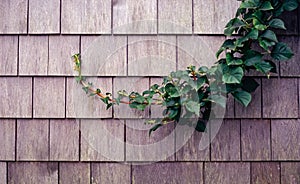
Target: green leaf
[
  {"x": 105, "y": 100},
  {"x": 98, "y": 91},
  {"x": 266, "y": 6},
  {"x": 258, "y": 25},
  {"x": 193, "y": 107},
  {"x": 263, "y": 67},
  {"x": 281, "y": 52},
  {"x": 250, "y": 4},
  {"x": 86, "y": 89},
  {"x": 228, "y": 44},
  {"x": 232, "y": 25},
  {"x": 218, "y": 99},
  {"x": 277, "y": 23},
  {"x": 109, "y": 106},
  {"x": 201, "y": 126},
  {"x": 154, "y": 128},
  {"x": 233, "y": 75},
  {"x": 172, "y": 90},
  {"x": 290, "y": 5},
  {"x": 249, "y": 84},
  {"x": 270, "y": 35},
  {"x": 266, "y": 44},
  {"x": 243, "y": 97},
  {"x": 252, "y": 58}
]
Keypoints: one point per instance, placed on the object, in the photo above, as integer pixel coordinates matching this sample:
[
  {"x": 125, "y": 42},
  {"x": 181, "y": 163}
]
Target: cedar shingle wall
[{"x": 47, "y": 134}]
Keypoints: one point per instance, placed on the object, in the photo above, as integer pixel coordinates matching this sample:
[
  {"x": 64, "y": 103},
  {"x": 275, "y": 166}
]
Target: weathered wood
[
  {"x": 156, "y": 110},
  {"x": 14, "y": 102},
  {"x": 86, "y": 16},
  {"x": 134, "y": 17},
  {"x": 76, "y": 172},
  {"x": 8, "y": 55},
  {"x": 44, "y": 16},
  {"x": 32, "y": 140},
  {"x": 265, "y": 172},
  {"x": 33, "y": 51},
  {"x": 104, "y": 55},
  {"x": 227, "y": 173},
  {"x": 64, "y": 140},
  {"x": 211, "y": 17},
  {"x": 49, "y": 97},
  {"x": 291, "y": 67},
  {"x": 290, "y": 172},
  {"x": 102, "y": 140},
  {"x": 3, "y": 172},
  {"x": 285, "y": 139},
  {"x": 110, "y": 173},
  {"x": 179, "y": 172},
  {"x": 61, "y": 48},
  {"x": 255, "y": 139},
  {"x": 7, "y": 139},
  {"x": 151, "y": 56},
  {"x": 198, "y": 50},
  {"x": 230, "y": 107},
  {"x": 140, "y": 147},
  {"x": 79, "y": 105},
  {"x": 226, "y": 145},
  {"x": 291, "y": 21},
  {"x": 253, "y": 110},
  {"x": 175, "y": 17},
  {"x": 32, "y": 172},
  {"x": 130, "y": 84},
  {"x": 13, "y": 15},
  {"x": 280, "y": 98}
]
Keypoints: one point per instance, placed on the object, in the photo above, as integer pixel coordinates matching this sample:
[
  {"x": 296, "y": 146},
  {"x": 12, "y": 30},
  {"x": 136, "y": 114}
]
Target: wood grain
[
  {"x": 265, "y": 172},
  {"x": 291, "y": 67},
  {"x": 291, "y": 21},
  {"x": 13, "y": 15},
  {"x": 49, "y": 97},
  {"x": 80, "y": 105},
  {"x": 175, "y": 17},
  {"x": 3, "y": 172},
  {"x": 179, "y": 172},
  {"x": 61, "y": 48},
  {"x": 7, "y": 137},
  {"x": 33, "y": 55},
  {"x": 255, "y": 139},
  {"x": 76, "y": 172},
  {"x": 64, "y": 140},
  {"x": 102, "y": 173},
  {"x": 283, "y": 103},
  {"x": 285, "y": 139},
  {"x": 227, "y": 173},
  {"x": 14, "y": 104},
  {"x": 44, "y": 16},
  {"x": 290, "y": 172},
  {"x": 102, "y": 140},
  {"x": 33, "y": 172},
  {"x": 86, "y": 17},
  {"x": 8, "y": 55},
  {"x": 151, "y": 55},
  {"x": 134, "y": 17},
  {"x": 32, "y": 140}
]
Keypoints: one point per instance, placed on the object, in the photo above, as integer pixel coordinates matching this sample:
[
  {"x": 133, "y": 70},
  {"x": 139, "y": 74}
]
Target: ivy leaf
[
  {"x": 201, "y": 126},
  {"x": 218, "y": 99},
  {"x": 266, "y": 44},
  {"x": 266, "y": 6},
  {"x": 253, "y": 57},
  {"x": 281, "y": 52},
  {"x": 263, "y": 67},
  {"x": 250, "y": 4},
  {"x": 290, "y": 5},
  {"x": 277, "y": 23},
  {"x": 172, "y": 90},
  {"x": 233, "y": 75},
  {"x": 109, "y": 106},
  {"x": 154, "y": 128},
  {"x": 249, "y": 84},
  {"x": 258, "y": 25},
  {"x": 243, "y": 97},
  {"x": 193, "y": 107},
  {"x": 232, "y": 25},
  {"x": 270, "y": 35},
  {"x": 228, "y": 44}
]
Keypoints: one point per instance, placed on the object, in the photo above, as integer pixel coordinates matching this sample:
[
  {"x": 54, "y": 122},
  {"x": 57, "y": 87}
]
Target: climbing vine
[{"x": 190, "y": 94}]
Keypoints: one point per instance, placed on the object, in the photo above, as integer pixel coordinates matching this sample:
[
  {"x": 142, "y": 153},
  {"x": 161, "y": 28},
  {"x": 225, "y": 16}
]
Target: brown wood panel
[
  {"x": 179, "y": 172},
  {"x": 110, "y": 173},
  {"x": 32, "y": 140},
  {"x": 104, "y": 55},
  {"x": 151, "y": 55},
  {"x": 33, "y": 55},
  {"x": 13, "y": 15},
  {"x": 16, "y": 97},
  {"x": 61, "y": 48},
  {"x": 86, "y": 16},
  {"x": 32, "y": 172},
  {"x": 175, "y": 17},
  {"x": 3, "y": 172},
  {"x": 210, "y": 17},
  {"x": 255, "y": 138},
  {"x": 227, "y": 173},
  {"x": 134, "y": 17},
  {"x": 64, "y": 140},
  {"x": 44, "y": 16},
  {"x": 102, "y": 140},
  {"x": 141, "y": 147},
  {"x": 290, "y": 172},
  {"x": 291, "y": 21},
  {"x": 80, "y": 105},
  {"x": 285, "y": 139},
  {"x": 280, "y": 98},
  {"x": 76, "y": 172},
  {"x": 49, "y": 97},
  {"x": 291, "y": 67},
  {"x": 7, "y": 139},
  {"x": 226, "y": 145},
  {"x": 265, "y": 172},
  {"x": 8, "y": 55}
]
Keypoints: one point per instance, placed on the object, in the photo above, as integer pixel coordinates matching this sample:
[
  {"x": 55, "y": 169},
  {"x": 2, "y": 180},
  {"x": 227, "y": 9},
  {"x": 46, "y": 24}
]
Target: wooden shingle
[
  {"x": 3, "y": 172},
  {"x": 8, "y": 55},
  {"x": 290, "y": 172},
  {"x": 78, "y": 173},
  {"x": 7, "y": 137},
  {"x": 265, "y": 172},
  {"x": 291, "y": 67}
]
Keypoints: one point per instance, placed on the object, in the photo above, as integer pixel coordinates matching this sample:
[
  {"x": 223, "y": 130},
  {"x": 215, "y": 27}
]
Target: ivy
[{"x": 190, "y": 94}]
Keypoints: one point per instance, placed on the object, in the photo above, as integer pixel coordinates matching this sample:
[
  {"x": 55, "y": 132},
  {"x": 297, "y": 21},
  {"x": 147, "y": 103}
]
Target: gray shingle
[
  {"x": 8, "y": 55},
  {"x": 7, "y": 137}
]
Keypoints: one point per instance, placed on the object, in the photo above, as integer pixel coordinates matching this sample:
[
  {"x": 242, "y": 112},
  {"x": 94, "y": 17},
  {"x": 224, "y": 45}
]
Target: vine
[{"x": 190, "y": 94}]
